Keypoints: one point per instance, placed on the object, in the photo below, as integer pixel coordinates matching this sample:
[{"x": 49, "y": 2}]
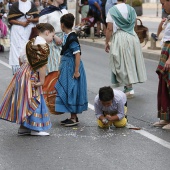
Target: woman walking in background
[
  {"x": 22, "y": 16},
  {"x": 126, "y": 58},
  {"x": 23, "y": 102},
  {"x": 71, "y": 86}
]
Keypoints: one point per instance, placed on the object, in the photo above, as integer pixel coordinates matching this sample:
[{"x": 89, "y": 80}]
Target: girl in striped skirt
[{"x": 23, "y": 101}]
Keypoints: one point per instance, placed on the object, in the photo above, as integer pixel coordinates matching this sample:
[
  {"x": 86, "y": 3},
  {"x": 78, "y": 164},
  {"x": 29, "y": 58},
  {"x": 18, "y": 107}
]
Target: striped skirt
[{"x": 24, "y": 104}]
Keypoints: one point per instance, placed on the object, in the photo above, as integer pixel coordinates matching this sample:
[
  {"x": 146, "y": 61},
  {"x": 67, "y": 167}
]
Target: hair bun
[{"x": 39, "y": 26}]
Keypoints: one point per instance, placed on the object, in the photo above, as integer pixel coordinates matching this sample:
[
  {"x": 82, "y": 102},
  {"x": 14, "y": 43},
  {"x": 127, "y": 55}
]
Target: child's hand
[
  {"x": 108, "y": 117},
  {"x": 163, "y": 20},
  {"x": 38, "y": 84},
  {"x": 107, "y": 47},
  {"x": 76, "y": 75},
  {"x": 57, "y": 40},
  {"x": 167, "y": 65},
  {"x": 24, "y": 24}
]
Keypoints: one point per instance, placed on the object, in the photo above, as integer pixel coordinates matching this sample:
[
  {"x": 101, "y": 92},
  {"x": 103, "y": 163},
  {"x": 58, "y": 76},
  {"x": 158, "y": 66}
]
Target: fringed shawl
[
  {"x": 15, "y": 13},
  {"x": 161, "y": 66},
  {"x": 37, "y": 54}
]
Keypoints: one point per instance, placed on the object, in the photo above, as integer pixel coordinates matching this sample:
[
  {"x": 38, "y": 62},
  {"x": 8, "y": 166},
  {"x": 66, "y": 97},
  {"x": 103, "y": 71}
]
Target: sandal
[
  {"x": 161, "y": 123},
  {"x": 166, "y": 127}
]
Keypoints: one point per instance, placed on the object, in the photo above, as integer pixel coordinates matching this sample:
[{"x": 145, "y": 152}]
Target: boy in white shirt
[{"x": 110, "y": 107}]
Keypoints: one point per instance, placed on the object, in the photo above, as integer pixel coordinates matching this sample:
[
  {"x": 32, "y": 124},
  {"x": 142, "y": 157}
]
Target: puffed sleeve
[{"x": 75, "y": 47}]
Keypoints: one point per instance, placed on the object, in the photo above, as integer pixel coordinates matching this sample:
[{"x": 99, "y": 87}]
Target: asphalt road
[{"x": 86, "y": 146}]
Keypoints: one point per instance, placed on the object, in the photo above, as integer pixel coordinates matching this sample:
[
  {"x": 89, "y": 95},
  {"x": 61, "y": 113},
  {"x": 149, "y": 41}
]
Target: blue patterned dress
[{"x": 71, "y": 92}]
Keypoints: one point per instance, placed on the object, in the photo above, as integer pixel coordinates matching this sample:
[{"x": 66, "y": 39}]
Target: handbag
[
  {"x": 141, "y": 31},
  {"x": 50, "y": 92},
  {"x": 34, "y": 33}
]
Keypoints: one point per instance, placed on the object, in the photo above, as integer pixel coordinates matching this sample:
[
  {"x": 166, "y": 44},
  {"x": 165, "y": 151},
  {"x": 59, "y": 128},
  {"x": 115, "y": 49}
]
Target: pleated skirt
[
  {"x": 71, "y": 92},
  {"x": 126, "y": 60}
]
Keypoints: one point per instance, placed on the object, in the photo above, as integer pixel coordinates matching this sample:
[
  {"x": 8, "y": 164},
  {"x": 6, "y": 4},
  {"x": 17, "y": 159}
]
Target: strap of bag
[{"x": 49, "y": 86}]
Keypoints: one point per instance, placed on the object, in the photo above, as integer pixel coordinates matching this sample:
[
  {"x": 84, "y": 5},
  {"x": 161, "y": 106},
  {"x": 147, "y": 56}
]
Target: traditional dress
[
  {"x": 71, "y": 92},
  {"x": 164, "y": 78},
  {"x": 52, "y": 15},
  {"x": 23, "y": 103},
  {"x": 126, "y": 59},
  {"x": 20, "y": 35}
]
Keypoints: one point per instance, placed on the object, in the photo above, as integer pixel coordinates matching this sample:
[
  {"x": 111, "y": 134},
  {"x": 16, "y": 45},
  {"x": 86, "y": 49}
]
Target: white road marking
[
  {"x": 142, "y": 132},
  {"x": 5, "y": 64}
]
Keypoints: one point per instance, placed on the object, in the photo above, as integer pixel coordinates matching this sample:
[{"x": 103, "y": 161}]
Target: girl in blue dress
[{"x": 71, "y": 86}]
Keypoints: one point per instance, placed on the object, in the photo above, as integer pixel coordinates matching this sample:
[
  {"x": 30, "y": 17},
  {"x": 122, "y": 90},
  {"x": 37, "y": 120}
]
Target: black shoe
[
  {"x": 24, "y": 131},
  {"x": 72, "y": 122},
  {"x": 154, "y": 36},
  {"x": 64, "y": 121}
]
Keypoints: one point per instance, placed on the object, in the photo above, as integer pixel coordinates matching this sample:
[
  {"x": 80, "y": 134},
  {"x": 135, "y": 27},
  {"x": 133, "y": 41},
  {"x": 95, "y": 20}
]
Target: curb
[{"x": 148, "y": 54}]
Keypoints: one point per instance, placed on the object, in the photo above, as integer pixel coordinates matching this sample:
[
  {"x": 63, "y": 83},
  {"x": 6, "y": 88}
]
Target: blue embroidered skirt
[{"x": 71, "y": 92}]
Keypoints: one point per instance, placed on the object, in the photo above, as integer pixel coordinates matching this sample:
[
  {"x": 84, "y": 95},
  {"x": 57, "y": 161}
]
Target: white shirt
[
  {"x": 53, "y": 18},
  {"x": 117, "y": 106},
  {"x": 166, "y": 36}
]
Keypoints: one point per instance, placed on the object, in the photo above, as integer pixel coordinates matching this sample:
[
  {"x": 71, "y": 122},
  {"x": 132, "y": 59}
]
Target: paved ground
[{"x": 86, "y": 146}]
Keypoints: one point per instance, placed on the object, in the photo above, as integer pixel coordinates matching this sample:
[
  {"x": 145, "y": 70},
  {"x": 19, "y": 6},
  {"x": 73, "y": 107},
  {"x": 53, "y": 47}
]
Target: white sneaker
[
  {"x": 130, "y": 94},
  {"x": 35, "y": 133}
]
